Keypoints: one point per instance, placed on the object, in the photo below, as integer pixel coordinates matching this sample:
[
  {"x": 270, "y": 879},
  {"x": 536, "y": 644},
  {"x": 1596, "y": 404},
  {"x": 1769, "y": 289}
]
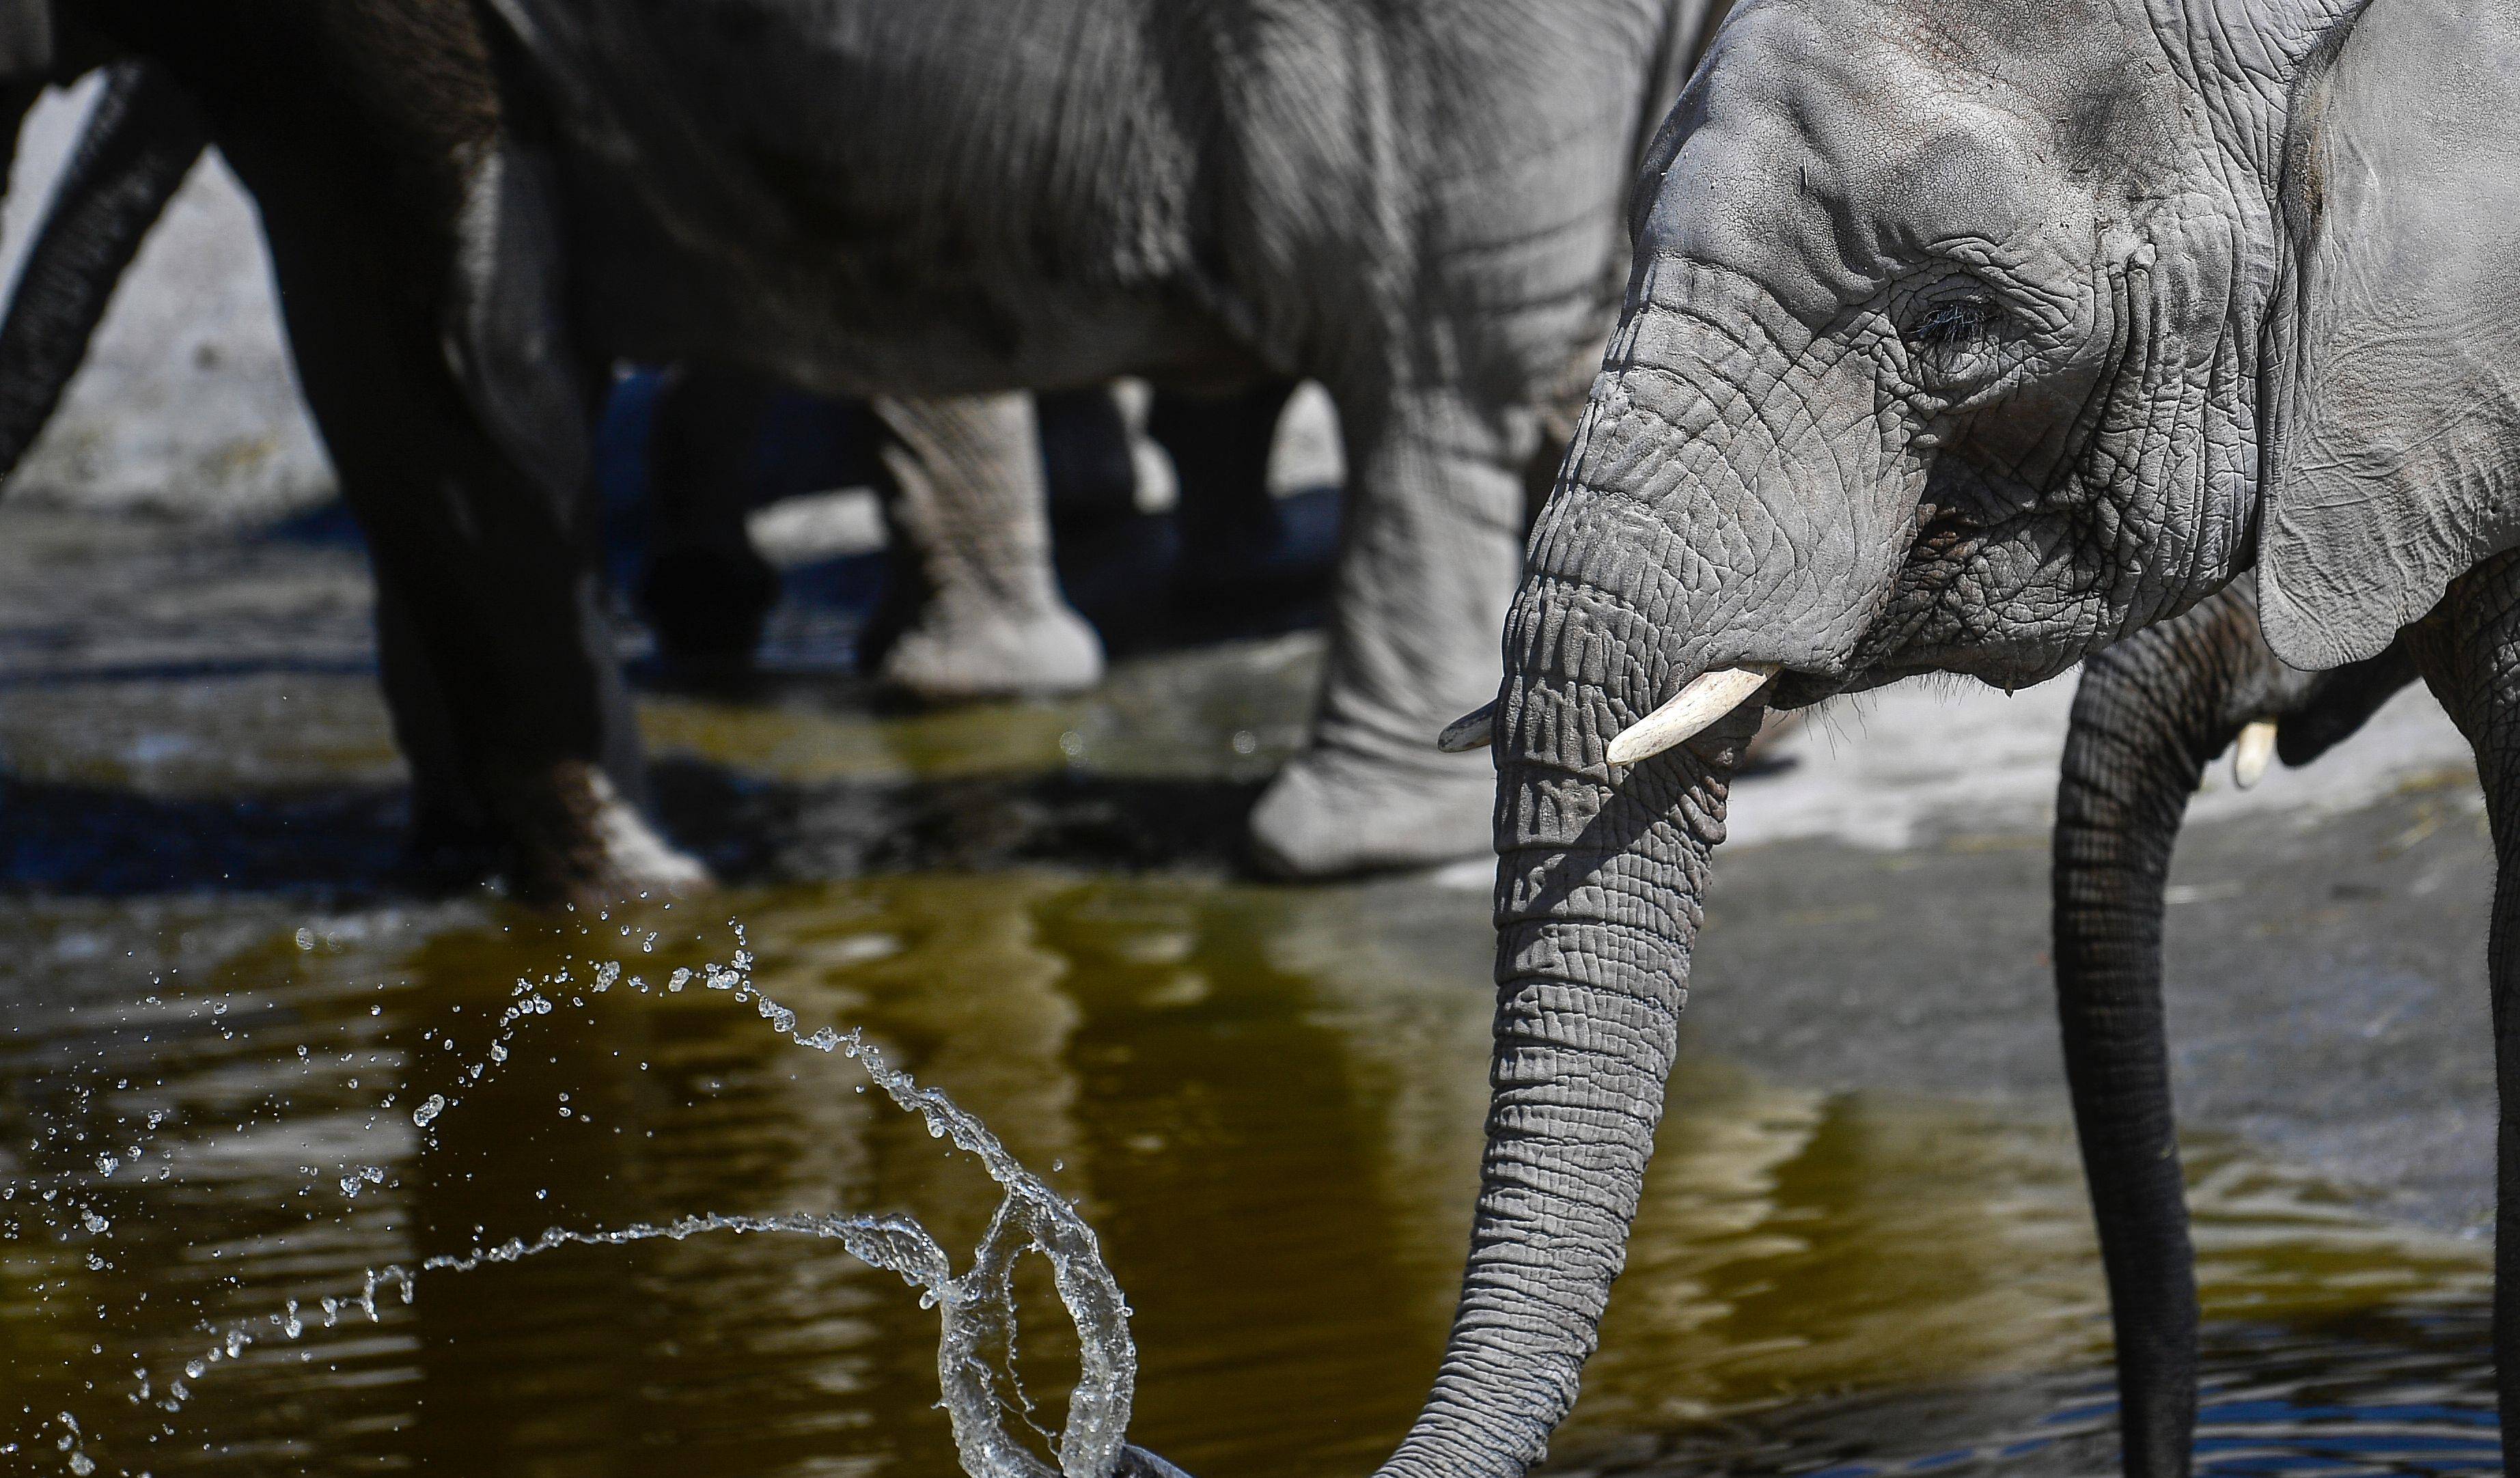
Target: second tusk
[
  {"x": 2249, "y": 756},
  {"x": 1707, "y": 698}
]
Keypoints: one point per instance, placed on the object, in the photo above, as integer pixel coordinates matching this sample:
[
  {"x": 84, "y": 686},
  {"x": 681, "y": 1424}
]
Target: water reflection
[{"x": 1267, "y": 1099}]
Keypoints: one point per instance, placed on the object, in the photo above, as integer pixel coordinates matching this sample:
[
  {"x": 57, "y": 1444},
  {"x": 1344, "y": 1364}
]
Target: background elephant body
[
  {"x": 933, "y": 202},
  {"x": 1430, "y": 226},
  {"x": 495, "y": 655},
  {"x": 1419, "y": 205}
]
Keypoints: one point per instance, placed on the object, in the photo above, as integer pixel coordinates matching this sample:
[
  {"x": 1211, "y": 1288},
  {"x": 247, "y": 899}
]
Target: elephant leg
[
  {"x": 1220, "y": 447},
  {"x": 2148, "y": 716},
  {"x": 452, "y": 842},
  {"x": 502, "y": 667},
  {"x": 1427, "y": 562},
  {"x": 979, "y": 612},
  {"x": 1087, "y": 462},
  {"x": 707, "y": 592},
  {"x": 2468, "y": 650}
]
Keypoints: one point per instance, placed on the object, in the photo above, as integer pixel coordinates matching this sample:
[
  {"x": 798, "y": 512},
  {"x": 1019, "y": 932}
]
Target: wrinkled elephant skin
[{"x": 1969, "y": 336}]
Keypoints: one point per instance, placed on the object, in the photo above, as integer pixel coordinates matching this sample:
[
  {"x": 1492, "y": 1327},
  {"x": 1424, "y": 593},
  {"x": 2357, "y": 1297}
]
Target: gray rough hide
[
  {"x": 2395, "y": 400},
  {"x": 1948, "y": 349}
]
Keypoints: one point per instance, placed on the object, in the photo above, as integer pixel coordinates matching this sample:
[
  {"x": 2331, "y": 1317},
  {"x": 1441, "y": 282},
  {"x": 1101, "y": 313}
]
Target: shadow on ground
[{"x": 350, "y": 844}]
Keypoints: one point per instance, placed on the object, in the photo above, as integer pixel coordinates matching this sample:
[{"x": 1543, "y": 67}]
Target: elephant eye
[
  {"x": 1955, "y": 338},
  {"x": 1953, "y": 324}
]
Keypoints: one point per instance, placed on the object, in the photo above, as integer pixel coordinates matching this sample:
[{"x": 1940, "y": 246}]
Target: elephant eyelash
[{"x": 1958, "y": 322}]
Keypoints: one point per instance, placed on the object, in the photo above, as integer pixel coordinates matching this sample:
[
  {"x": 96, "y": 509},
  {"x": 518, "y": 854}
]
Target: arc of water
[
  {"x": 979, "y": 1306},
  {"x": 977, "y": 1309}
]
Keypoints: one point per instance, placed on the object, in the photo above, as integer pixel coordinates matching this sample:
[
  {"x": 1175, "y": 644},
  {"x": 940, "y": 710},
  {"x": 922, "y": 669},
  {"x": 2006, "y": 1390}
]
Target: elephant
[
  {"x": 469, "y": 225},
  {"x": 2150, "y": 713},
  {"x": 812, "y": 193},
  {"x": 140, "y": 141},
  {"x": 1970, "y": 337}
]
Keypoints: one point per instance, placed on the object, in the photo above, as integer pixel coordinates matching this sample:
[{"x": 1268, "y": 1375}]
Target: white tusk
[
  {"x": 1707, "y": 698},
  {"x": 2249, "y": 756},
  {"x": 1475, "y": 730}
]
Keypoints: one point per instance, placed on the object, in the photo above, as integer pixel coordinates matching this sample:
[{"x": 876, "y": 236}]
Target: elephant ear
[{"x": 2390, "y": 407}]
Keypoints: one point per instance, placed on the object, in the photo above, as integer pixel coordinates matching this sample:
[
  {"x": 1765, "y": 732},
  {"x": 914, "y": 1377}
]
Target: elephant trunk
[
  {"x": 2149, "y": 715},
  {"x": 1599, "y": 888}
]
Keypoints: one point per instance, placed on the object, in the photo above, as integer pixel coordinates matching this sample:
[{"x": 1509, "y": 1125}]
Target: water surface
[
  {"x": 1267, "y": 1099},
  {"x": 222, "y": 1004}
]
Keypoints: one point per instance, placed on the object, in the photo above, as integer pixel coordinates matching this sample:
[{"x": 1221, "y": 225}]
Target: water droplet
[{"x": 427, "y": 1112}]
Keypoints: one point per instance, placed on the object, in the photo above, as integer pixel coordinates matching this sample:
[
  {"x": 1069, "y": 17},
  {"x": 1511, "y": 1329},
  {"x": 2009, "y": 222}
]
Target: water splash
[{"x": 976, "y": 1309}]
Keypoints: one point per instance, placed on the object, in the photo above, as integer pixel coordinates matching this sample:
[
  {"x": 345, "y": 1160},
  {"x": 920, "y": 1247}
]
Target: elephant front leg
[
  {"x": 501, "y": 670},
  {"x": 2149, "y": 715},
  {"x": 2469, "y": 652},
  {"x": 1427, "y": 564},
  {"x": 977, "y": 610}
]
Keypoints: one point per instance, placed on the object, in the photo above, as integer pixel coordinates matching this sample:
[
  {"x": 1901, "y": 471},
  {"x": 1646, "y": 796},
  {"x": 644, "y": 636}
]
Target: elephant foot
[
  {"x": 949, "y": 658},
  {"x": 1332, "y": 813},
  {"x": 575, "y": 840}
]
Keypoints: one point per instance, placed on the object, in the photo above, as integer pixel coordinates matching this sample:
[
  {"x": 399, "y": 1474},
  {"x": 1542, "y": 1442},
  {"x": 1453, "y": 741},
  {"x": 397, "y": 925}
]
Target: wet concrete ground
[{"x": 1865, "y": 1210}]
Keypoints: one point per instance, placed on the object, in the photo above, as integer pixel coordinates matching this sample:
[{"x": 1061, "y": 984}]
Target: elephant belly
[
  {"x": 860, "y": 195},
  {"x": 730, "y": 302}
]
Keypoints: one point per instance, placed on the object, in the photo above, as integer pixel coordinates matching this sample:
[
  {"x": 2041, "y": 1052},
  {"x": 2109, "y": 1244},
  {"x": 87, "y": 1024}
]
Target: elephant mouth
[{"x": 1802, "y": 690}]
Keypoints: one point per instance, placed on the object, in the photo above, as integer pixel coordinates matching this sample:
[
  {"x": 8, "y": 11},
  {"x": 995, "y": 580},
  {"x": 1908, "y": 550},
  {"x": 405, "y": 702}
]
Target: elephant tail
[{"x": 138, "y": 145}]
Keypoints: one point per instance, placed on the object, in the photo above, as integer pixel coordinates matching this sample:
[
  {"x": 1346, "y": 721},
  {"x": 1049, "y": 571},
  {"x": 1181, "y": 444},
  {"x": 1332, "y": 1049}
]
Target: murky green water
[
  {"x": 1268, "y": 1101},
  {"x": 218, "y": 1012}
]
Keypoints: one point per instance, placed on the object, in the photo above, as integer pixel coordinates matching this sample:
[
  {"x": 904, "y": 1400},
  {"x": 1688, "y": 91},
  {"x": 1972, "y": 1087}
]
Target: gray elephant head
[{"x": 1945, "y": 351}]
